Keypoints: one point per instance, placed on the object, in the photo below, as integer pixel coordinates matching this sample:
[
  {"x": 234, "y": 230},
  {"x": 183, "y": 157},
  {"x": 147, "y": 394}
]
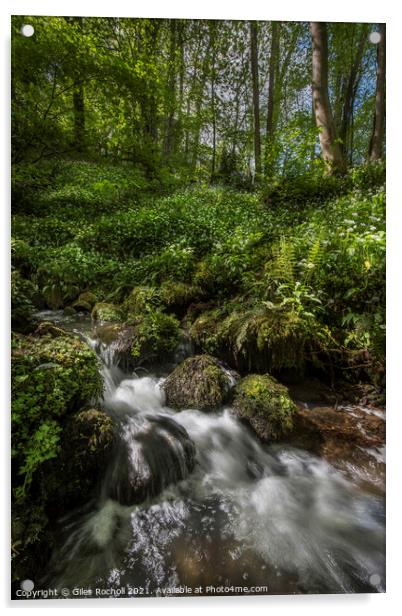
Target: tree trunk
[
  {"x": 273, "y": 70},
  {"x": 179, "y": 127},
  {"x": 213, "y": 166},
  {"x": 256, "y": 97},
  {"x": 377, "y": 137},
  {"x": 170, "y": 101},
  {"x": 330, "y": 147},
  {"x": 79, "y": 117},
  {"x": 347, "y": 110},
  {"x": 200, "y": 97},
  {"x": 79, "y": 104}
]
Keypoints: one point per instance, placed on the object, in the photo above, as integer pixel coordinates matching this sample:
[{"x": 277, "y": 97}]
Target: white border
[{"x": 340, "y": 10}]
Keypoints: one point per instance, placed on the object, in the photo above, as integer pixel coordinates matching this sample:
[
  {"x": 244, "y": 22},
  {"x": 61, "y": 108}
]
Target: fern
[
  {"x": 284, "y": 264},
  {"x": 315, "y": 257}
]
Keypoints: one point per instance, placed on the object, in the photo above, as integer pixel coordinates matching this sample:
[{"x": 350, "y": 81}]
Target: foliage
[
  {"x": 156, "y": 335},
  {"x": 319, "y": 265},
  {"x": 51, "y": 377}
]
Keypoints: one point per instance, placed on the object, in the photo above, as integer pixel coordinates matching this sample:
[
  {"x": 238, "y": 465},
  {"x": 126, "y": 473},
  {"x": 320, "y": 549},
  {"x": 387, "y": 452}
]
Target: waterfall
[{"x": 194, "y": 499}]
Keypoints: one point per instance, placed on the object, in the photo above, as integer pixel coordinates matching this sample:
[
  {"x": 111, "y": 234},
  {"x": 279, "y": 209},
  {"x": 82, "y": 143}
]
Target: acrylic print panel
[{"x": 198, "y": 257}]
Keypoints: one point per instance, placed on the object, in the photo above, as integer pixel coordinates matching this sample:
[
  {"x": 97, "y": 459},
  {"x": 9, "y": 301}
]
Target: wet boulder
[
  {"x": 103, "y": 311},
  {"x": 85, "y": 302},
  {"x": 200, "y": 382},
  {"x": 86, "y": 445},
  {"x": 363, "y": 426},
  {"x": 265, "y": 405},
  {"x": 143, "y": 339},
  {"x": 153, "y": 453},
  {"x": 46, "y": 328}
]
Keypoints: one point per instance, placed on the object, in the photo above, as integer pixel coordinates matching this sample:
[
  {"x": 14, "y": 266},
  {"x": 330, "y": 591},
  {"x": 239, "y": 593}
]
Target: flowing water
[{"x": 223, "y": 514}]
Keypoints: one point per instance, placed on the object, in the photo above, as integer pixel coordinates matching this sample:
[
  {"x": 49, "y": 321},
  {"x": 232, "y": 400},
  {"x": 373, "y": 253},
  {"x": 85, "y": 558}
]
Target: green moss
[
  {"x": 86, "y": 444},
  {"x": 176, "y": 296},
  {"x": 51, "y": 376},
  {"x": 258, "y": 338},
  {"x": 69, "y": 311},
  {"x": 154, "y": 335},
  {"x": 266, "y": 405},
  {"x": 199, "y": 382},
  {"x": 205, "y": 331},
  {"x": 88, "y": 297},
  {"x": 107, "y": 312},
  {"x": 141, "y": 299},
  {"x": 46, "y": 328}
]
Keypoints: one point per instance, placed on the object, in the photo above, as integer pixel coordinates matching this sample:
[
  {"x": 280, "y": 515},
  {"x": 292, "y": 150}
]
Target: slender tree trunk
[
  {"x": 199, "y": 99},
  {"x": 330, "y": 147},
  {"x": 191, "y": 95},
  {"x": 273, "y": 70},
  {"x": 350, "y": 90},
  {"x": 256, "y": 97},
  {"x": 79, "y": 118},
  {"x": 79, "y": 104},
  {"x": 213, "y": 105},
  {"x": 377, "y": 138},
  {"x": 179, "y": 128},
  {"x": 170, "y": 102}
]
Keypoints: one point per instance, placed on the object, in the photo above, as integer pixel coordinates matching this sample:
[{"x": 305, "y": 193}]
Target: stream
[{"x": 223, "y": 513}]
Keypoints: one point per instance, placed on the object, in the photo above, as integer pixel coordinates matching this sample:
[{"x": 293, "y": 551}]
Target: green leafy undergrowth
[{"x": 51, "y": 377}]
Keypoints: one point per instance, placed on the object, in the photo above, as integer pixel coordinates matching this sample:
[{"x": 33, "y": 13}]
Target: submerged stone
[
  {"x": 200, "y": 382},
  {"x": 365, "y": 427},
  {"x": 265, "y": 405}
]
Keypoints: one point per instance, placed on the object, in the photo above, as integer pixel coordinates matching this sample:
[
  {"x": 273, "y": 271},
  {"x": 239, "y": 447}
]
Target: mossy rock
[
  {"x": 46, "y": 328},
  {"x": 205, "y": 331},
  {"x": 86, "y": 444},
  {"x": 63, "y": 482},
  {"x": 69, "y": 311},
  {"x": 154, "y": 336},
  {"x": 88, "y": 298},
  {"x": 265, "y": 405},
  {"x": 81, "y": 306},
  {"x": 199, "y": 382},
  {"x": 141, "y": 298},
  {"x": 177, "y": 296},
  {"x": 53, "y": 297},
  {"x": 53, "y": 375},
  {"x": 145, "y": 338},
  {"x": 103, "y": 311},
  {"x": 257, "y": 338}
]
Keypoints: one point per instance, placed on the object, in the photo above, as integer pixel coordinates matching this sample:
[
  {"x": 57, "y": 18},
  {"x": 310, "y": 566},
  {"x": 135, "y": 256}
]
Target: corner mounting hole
[
  {"x": 27, "y": 30},
  {"x": 374, "y": 37}
]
